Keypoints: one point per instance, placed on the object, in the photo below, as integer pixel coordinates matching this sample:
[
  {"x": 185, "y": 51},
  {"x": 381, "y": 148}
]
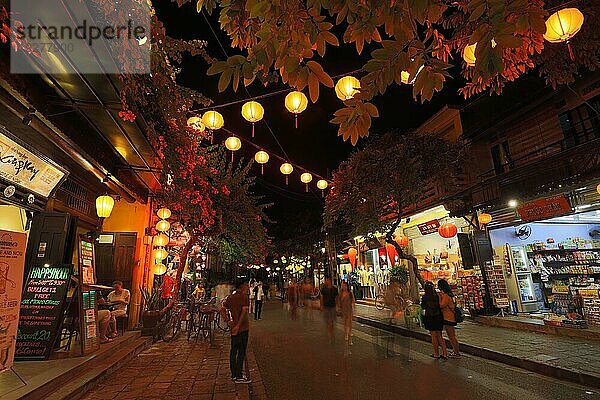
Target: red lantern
[
  {"x": 391, "y": 253},
  {"x": 402, "y": 240},
  {"x": 352, "y": 252},
  {"x": 448, "y": 230}
]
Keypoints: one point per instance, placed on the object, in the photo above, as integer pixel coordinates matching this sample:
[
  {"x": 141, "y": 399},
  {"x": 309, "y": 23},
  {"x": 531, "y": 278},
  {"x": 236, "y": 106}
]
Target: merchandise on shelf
[
  {"x": 497, "y": 285},
  {"x": 472, "y": 292}
]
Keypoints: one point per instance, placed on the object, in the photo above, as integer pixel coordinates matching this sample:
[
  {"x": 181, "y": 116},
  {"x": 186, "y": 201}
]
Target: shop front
[{"x": 550, "y": 259}]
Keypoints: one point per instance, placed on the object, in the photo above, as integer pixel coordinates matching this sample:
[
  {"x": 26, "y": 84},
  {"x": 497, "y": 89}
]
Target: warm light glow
[
  {"x": 233, "y": 143},
  {"x": 163, "y": 226},
  {"x": 104, "y": 206},
  {"x": 196, "y": 124},
  {"x": 469, "y": 53},
  {"x": 163, "y": 213},
  {"x": 598, "y": 188},
  {"x": 306, "y": 177},
  {"x": 296, "y": 102},
  {"x": 484, "y": 218},
  {"x": 261, "y": 157},
  {"x": 160, "y": 269},
  {"x": 512, "y": 203},
  {"x": 160, "y": 254},
  {"x": 161, "y": 240},
  {"x": 252, "y": 111},
  {"x": 448, "y": 230},
  {"x": 404, "y": 76},
  {"x": 346, "y": 87},
  {"x": 322, "y": 184},
  {"x": 213, "y": 120},
  {"x": 563, "y": 25},
  {"x": 286, "y": 168}
]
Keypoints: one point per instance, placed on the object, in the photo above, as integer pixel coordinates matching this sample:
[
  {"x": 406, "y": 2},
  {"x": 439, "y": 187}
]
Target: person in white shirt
[
  {"x": 120, "y": 297},
  {"x": 253, "y": 284},
  {"x": 259, "y": 294}
]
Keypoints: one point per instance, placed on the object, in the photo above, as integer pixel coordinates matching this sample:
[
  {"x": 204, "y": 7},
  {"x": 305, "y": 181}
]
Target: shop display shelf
[
  {"x": 558, "y": 250},
  {"x": 576, "y": 274},
  {"x": 572, "y": 262}
]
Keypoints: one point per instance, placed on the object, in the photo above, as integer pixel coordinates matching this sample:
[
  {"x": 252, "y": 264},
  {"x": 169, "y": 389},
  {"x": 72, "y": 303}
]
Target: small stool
[{"x": 122, "y": 323}]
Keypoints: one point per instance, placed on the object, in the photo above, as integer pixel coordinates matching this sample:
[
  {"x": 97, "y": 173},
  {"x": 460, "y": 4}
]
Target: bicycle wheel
[
  {"x": 380, "y": 302},
  {"x": 193, "y": 324},
  {"x": 205, "y": 325},
  {"x": 222, "y": 324}
]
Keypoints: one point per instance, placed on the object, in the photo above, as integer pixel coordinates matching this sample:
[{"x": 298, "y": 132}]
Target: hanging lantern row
[
  {"x": 561, "y": 27},
  {"x": 286, "y": 169},
  {"x": 252, "y": 112}
]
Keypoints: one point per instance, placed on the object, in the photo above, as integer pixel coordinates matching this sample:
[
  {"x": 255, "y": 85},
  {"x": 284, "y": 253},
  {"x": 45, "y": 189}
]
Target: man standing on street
[
  {"x": 329, "y": 297},
  {"x": 259, "y": 294},
  {"x": 238, "y": 304}
]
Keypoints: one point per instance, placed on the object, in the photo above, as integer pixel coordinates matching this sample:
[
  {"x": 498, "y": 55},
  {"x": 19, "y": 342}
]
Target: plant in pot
[
  {"x": 153, "y": 307},
  {"x": 399, "y": 274}
]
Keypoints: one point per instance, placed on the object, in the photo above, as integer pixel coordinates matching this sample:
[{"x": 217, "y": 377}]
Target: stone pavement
[
  {"x": 539, "y": 351},
  {"x": 180, "y": 370}
]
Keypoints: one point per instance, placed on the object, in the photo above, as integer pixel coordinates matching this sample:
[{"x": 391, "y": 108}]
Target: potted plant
[
  {"x": 153, "y": 309},
  {"x": 399, "y": 274}
]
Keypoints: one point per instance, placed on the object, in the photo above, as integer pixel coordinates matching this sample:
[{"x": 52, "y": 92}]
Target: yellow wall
[
  {"x": 132, "y": 217},
  {"x": 12, "y": 218}
]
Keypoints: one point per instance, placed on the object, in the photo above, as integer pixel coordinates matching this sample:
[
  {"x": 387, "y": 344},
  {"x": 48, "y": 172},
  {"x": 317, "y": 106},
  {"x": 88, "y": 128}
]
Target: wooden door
[{"x": 124, "y": 259}]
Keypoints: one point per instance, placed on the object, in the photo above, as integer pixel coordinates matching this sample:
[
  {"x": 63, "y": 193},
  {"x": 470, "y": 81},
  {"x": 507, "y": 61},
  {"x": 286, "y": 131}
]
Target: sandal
[
  {"x": 433, "y": 356},
  {"x": 105, "y": 340}
]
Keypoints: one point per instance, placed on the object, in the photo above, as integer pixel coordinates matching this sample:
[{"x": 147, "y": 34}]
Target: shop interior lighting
[{"x": 512, "y": 203}]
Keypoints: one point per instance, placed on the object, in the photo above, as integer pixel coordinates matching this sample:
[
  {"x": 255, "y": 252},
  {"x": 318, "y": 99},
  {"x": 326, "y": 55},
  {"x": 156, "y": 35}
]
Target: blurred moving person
[
  {"x": 259, "y": 294},
  {"x": 347, "y": 307},
  {"x": 292, "y": 296},
  {"x": 329, "y": 304}
]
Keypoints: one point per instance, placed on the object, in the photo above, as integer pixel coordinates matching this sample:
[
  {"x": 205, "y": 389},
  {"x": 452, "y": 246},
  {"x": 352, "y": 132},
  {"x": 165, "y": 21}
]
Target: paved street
[{"x": 296, "y": 361}]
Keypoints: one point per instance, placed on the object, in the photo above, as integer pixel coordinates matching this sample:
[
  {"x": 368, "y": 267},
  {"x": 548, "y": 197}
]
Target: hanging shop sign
[
  {"x": 87, "y": 261},
  {"x": 42, "y": 307},
  {"x": 548, "y": 207},
  {"x": 21, "y": 167},
  {"x": 429, "y": 227},
  {"x": 12, "y": 264}
]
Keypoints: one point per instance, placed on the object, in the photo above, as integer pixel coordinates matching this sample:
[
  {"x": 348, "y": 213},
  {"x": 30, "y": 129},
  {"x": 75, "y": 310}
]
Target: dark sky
[{"x": 314, "y": 145}]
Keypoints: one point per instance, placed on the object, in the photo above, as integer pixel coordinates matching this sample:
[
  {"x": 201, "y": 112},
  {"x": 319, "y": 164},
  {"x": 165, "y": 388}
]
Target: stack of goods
[
  {"x": 591, "y": 305},
  {"x": 472, "y": 291},
  {"x": 497, "y": 285}
]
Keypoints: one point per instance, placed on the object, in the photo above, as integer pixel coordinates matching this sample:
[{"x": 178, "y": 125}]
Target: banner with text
[{"x": 12, "y": 265}]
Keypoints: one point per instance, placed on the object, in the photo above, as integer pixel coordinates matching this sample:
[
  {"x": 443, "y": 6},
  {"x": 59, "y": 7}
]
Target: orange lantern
[
  {"x": 402, "y": 240},
  {"x": 448, "y": 230},
  {"x": 391, "y": 253},
  {"x": 484, "y": 218},
  {"x": 352, "y": 253},
  {"x": 563, "y": 25}
]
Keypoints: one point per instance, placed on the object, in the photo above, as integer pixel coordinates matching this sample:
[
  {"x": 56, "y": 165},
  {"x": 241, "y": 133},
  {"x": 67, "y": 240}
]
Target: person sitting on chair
[{"x": 121, "y": 297}]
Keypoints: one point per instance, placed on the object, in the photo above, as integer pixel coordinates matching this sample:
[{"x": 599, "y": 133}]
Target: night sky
[{"x": 314, "y": 145}]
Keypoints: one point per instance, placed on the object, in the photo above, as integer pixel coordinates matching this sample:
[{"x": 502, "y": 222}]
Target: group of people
[
  {"x": 440, "y": 314},
  {"x": 258, "y": 293}
]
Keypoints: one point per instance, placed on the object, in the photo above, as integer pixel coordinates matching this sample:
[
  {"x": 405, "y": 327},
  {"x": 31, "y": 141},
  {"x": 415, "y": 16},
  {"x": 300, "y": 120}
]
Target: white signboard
[
  {"x": 23, "y": 168},
  {"x": 12, "y": 264}
]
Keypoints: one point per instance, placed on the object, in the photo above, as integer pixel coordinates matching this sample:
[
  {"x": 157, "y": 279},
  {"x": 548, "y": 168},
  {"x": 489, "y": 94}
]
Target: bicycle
[{"x": 174, "y": 322}]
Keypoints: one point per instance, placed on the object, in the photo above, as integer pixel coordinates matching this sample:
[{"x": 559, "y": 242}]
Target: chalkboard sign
[{"x": 42, "y": 307}]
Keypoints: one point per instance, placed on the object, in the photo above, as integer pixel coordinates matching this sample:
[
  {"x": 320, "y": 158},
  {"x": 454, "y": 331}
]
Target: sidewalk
[
  {"x": 180, "y": 370},
  {"x": 573, "y": 359}
]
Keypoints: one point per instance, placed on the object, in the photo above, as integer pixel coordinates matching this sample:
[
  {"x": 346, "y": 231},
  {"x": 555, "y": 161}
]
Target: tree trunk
[
  {"x": 414, "y": 265},
  {"x": 182, "y": 261}
]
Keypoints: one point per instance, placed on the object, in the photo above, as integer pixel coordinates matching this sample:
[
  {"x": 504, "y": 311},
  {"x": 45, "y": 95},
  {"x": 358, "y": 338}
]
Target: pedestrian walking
[
  {"x": 433, "y": 320},
  {"x": 238, "y": 305},
  {"x": 252, "y": 295},
  {"x": 292, "y": 296},
  {"x": 329, "y": 304},
  {"x": 259, "y": 294},
  {"x": 347, "y": 308},
  {"x": 448, "y": 309}
]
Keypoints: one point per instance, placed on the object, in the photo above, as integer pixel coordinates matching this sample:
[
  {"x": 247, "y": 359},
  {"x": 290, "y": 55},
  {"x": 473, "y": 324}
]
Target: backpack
[{"x": 459, "y": 315}]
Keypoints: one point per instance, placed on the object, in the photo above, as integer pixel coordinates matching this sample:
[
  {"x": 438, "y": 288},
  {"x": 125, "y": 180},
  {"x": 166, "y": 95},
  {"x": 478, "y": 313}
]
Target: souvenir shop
[{"x": 550, "y": 264}]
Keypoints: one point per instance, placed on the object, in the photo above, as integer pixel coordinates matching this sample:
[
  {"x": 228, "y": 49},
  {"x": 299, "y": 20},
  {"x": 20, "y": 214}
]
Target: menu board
[
  {"x": 12, "y": 263},
  {"x": 42, "y": 307},
  {"x": 90, "y": 340},
  {"x": 87, "y": 262}
]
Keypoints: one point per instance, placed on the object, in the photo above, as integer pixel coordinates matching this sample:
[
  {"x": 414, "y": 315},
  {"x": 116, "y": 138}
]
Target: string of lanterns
[{"x": 161, "y": 240}]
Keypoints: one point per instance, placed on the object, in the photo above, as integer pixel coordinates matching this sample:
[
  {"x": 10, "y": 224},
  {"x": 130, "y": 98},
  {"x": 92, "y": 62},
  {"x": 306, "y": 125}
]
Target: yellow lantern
[
  {"x": 160, "y": 269},
  {"x": 346, "y": 87},
  {"x": 296, "y": 102},
  {"x": 563, "y": 25},
  {"x": 163, "y": 213},
  {"x": 261, "y": 157},
  {"x": 469, "y": 54},
  {"x": 598, "y": 188},
  {"x": 405, "y": 76},
  {"x": 286, "y": 169},
  {"x": 253, "y": 112},
  {"x": 196, "y": 124},
  {"x": 104, "y": 206},
  {"x": 163, "y": 225},
  {"x": 161, "y": 240},
  {"x": 213, "y": 120},
  {"x": 484, "y": 218},
  {"x": 160, "y": 254},
  {"x": 322, "y": 184},
  {"x": 306, "y": 178},
  {"x": 233, "y": 143}
]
